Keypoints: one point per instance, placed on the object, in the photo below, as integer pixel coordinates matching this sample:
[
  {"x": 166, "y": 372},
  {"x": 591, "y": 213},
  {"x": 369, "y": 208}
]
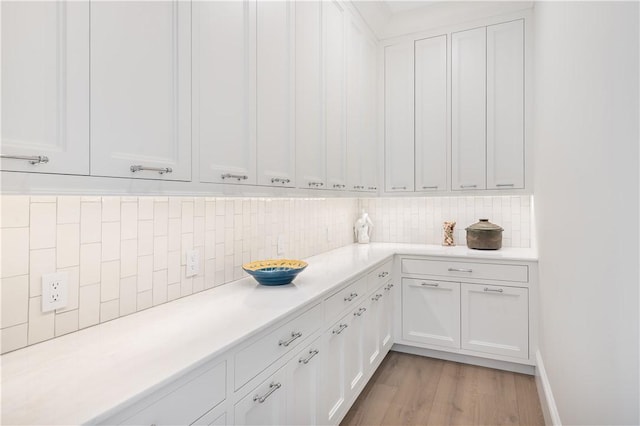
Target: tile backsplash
[{"x": 126, "y": 254}]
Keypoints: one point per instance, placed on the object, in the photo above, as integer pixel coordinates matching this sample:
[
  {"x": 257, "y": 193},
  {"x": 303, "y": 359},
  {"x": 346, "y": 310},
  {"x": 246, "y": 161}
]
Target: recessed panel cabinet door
[
  {"x": 369, "y": 152},
  {"x": 303, "y": 398},
  {"x": 398, "y": 117},
  {"x": 266, "y": 404},
  {"x": 224, "y": 90},
  {"x": 276, "y": 93},
  {"x": 333, "y": 381},
  {"x": 505, "y": 105},
  {"x": 355, "y": 91},
  {"x": 431, "y": 114},
  {"x": 311, "y": 150},
  {"x": 45, "y": 87},
  {"x": 141, "y": 89},
  {"x": 468, "y": 109}
]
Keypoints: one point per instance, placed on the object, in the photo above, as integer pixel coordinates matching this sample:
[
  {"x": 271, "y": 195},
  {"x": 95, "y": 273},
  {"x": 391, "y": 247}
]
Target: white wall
[{"x": 586, "y": 206}]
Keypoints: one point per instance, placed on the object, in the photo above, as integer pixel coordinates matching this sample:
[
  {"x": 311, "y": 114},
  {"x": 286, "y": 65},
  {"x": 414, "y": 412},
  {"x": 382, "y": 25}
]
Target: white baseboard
[{"x": 549, "y": 408}]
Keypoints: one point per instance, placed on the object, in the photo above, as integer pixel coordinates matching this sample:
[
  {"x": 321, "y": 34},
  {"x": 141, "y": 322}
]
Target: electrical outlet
[
  {"x": 280, "y": 248},
  {"x": 193, "y": 263},
  {"x": 55, "y": 291}
]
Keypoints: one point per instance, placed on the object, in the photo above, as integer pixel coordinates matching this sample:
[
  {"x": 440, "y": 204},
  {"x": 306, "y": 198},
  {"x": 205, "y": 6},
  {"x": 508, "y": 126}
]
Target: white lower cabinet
[
  {"x": 266, "y": 404},
  {"x": 333, "y": 382},
  {"x": 303, "y": 376}
]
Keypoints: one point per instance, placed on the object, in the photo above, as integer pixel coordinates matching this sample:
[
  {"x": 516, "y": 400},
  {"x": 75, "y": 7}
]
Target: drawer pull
[
  {"x": 306, "y": 360},
  {"x": 393, "y": 188},
  {"x": 316, "y": 184},
  {"x": 430, "y": 284},
  {"x": 294, "y": 336},
  {"x": 468, "y": 186},
  {"x": 493, "y": 290},
  {"x": 376, "y": 297},
  {"x": 383, "y": 274},
  {"x": 360, "y": 312},
  {"x": 161, "y": 170},
  {"x": 272, "y": 388},
  {"x": 232, "y": 176},
  {"x": 373, "y": 188},
  {"x": 389, "y": 287},
  {"x": 351, "y": 297},
  {"x": 280, "y": 180},
  {"x": 430, "y": 187},
  {"x": 460, "y": 270},
  {"x": 358, "y": 187},
  {"x": 32, "y": 159},
  {"x": 339, "y": 186},
  {"x": 504, "y": 185},
  {"x": 340, "y": 329}
]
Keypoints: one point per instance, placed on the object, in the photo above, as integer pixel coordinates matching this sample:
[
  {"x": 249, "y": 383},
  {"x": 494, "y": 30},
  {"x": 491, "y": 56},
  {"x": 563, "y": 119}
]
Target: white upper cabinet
[
  {"x": 355, "y": 90},
  {"x": 224, "y": 90},
  {"x": 141, "y": 89},
  {"x": 310, "y": 143},
  {"x": 335, "y": 126},
  {"x": 45, "y": 87},
  {"x": 505, "y": 105},
  {"x": 276, "y": 93},
  {"x": 468, "y": 103},
  {"x": 369, "y": 152},
  {"x": 431, "y": 114},
  {"x": 398, "y": 117}
]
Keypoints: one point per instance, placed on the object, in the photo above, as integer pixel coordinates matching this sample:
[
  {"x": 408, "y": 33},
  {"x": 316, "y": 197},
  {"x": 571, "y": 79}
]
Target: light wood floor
[{"x": 414, "y": 390}]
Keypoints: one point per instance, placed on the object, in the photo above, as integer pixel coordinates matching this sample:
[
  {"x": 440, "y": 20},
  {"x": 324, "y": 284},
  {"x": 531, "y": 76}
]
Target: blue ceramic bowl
[{"x": 276, "y": 271}]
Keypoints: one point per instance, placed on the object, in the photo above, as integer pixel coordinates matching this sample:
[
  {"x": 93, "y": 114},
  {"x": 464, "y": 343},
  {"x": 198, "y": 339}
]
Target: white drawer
[
  {"x": 344, "y": 299},
  {"x": 455, "y": 269},
  {"x": 256, "y": 357},
  {"x": 379, "y": 276},
  {"x": 188, "y": 402}
]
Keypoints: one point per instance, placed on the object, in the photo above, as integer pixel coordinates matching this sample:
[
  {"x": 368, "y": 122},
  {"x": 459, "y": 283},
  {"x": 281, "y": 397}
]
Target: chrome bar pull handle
[
  {"x": 340, "y": 329},
  {"x": 351, "y": 297},
  {"x": 504, "y": 185},
  {"x": 294, "y": 335},
  {"x": 139, "y": 168},
  {"x": 430, "y": 187},
  {"x": 389, "y": 287},
  {"x": 339, "y": 186},
  {"x": 306, "y": 360},
  {"x": 468, "y": 186},
  {"x": 232, "y": 176},
  {"x": 383, "y": 274},
  {"x": 272, "y": 388},
  {"x": 398, "y": 187},
  {"x": 360, "y": 312},
  {"x": 32, "y": 159},
  {"x": 372, "y": 188},
  {"x": 376, "y": 297},
  {"x": 460, "y": 270},
  {"x": 430, "y": 284},
  {"x": 316, "y": 184},
  {"x": 280, "y": 180},
  {"x": 493, "y": 290}
]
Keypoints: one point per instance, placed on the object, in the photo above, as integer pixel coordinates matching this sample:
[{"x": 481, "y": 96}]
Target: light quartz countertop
[{"x": 89, "y": 375}]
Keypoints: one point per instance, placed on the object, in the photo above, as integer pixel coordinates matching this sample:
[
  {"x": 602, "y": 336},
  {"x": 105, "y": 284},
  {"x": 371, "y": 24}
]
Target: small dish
[{"x": 275, "y": 271}]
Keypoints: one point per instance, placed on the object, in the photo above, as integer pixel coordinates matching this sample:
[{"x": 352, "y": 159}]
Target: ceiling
[{"x": 405, "y": 6}]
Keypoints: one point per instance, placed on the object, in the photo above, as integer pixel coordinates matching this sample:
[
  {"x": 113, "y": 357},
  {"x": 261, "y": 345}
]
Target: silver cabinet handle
[
  {"x": 504, "y": 185},
  {"x": 338, "y": 186},
  {"x": 373, "y": 188},
  {"x": 306, "y": 360},
  {"x": 493, "y": 290},
  {"x": 280, "y": 180},
  {"x": 32, "y": 159},
  {"x": 430, "y": 187},
  {"x": 376, "y": 297},
  {"x": 138, "y": 168},
  {"x": 389, "y": 287},
  {"x": 468, "y": 186},
  {"x": 340, "y": 329},
  {"x": 294, "y": 335},
  {"x": 398, "y": 187},
  {"x": 232, "y": 176},
  {"x": 351, "y": 297},
  {"x": 360, "y": 312},
  {"x": 460, "y": 270},
  {"x": 316, "y": 184},
  {"x": 383, "y": 274},
  {"x": 272, "y": 388},
  {"x": 430, "y": 284},
  {"x": 358, "y": 187}
]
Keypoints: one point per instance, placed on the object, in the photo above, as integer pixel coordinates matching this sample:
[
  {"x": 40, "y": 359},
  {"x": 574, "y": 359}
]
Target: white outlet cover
[
  {"x": 55, "y": 291},
  {"x": 193, "y": 263}
]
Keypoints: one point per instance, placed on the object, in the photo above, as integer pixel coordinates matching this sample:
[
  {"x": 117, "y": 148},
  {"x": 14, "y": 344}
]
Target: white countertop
[{"x": 75, "y": 378}]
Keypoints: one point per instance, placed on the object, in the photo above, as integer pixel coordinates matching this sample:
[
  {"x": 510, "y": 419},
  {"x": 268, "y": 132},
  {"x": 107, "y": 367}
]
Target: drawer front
[
  {"x": 379, "y": 276},
  {"x": 256, "y": 357},
  {"x": 455, "y": 269},
  {"x": 188, "y": 402},
  {"x": 346, "y": 298}
]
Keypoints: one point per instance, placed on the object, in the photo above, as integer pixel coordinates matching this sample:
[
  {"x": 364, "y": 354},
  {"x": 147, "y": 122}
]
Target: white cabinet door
[
  {"x": 141, "y": 89},
  {"x": 369, "y": 145},
  {"x": 335, "y": 130},
  {"x": 45, "y": 87},
  {"x": 333, "y": 381},
  {"x": 468, "y": 109},
  {"x": 276, "y": 93},
  {"x": 311, "y": 148},
  {"x": 372, "y": 348},
  {"x": 303, "y": 397},
  {"x": 495, "y": 319},
  {"x": 266, "y": 404},
  {"x": 505, "y": 105},
  {"x": 431, "y": 312},
  {"x": 431, "y": 114},
  {"x": 355, "y": 90},
  {"x": 387, "y": 315},
  {"x": 224, "y": 90},
  {"x": 354, "y": 353},
  {"x": 398, "y": 117}
]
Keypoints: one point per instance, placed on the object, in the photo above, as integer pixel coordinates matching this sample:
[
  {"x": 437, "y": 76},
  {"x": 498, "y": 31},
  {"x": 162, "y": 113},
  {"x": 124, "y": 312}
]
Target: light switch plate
[
  {"x": 55, "y": 291},
  {"x": 193, "y": 263}
]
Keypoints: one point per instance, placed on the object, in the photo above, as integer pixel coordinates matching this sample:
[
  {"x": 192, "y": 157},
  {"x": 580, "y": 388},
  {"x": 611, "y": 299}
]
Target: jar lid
[{"x": 484, "y": 225}]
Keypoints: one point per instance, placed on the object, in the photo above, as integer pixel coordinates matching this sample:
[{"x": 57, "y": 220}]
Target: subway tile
[
  {"x": 43, "y": 225},
  {"x": 109, "y": 310},
  {"x": 73, "y": 288},
  {"x": 15, "y": 251},
  {"x": 43, "y": 199},
  {"x": 41, "y": 261},
  {"x": 89, "y": 306},
  {"x": 199, "y": 207},
  {"x": 145, "y": 273},
  {"x": 187, "y": 217},
  {"x": 159, "y": 287},
  {"x": 110, "y": 241},
  {"x": 110, "y": 209},
  {"x": 14, "y": 211},
  {"x": 90, "y": 263},
  {"x": 13, "y": 338},
  {"x": 173, "y": 267},
  {"x": 68, "y": 245},
  {"x": 15, "y": 300},
  {"x": 110, "y": 281},
  {"x": 173, "y": 292},
  {"x": 129, "y": 221},
  {"x": 159, "y": 253},
  {"x": 187, "y": 244},
  {"x": 128, "y": 258},
  {"x": 68, "y": 209},
  {"x": 41, "y": 325},
  {"x": 128, "y": 295},
  {"x": 90, "y": 223},
  {"x": 145, "y": 237},
  {"x": 145, "y": 208},
  {"x": 161, "y": 219},
  {"x": 197, "y": 286},
  {"x": 66, "y": 322},
  {"x": 145, "y": 300},
  {"x": 174, "y": 235},
  {"x": 175, "y": 207}
]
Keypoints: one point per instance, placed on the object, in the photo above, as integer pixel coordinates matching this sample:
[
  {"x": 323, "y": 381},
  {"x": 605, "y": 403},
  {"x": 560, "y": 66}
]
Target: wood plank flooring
[{"x": 414, "y": 390}]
